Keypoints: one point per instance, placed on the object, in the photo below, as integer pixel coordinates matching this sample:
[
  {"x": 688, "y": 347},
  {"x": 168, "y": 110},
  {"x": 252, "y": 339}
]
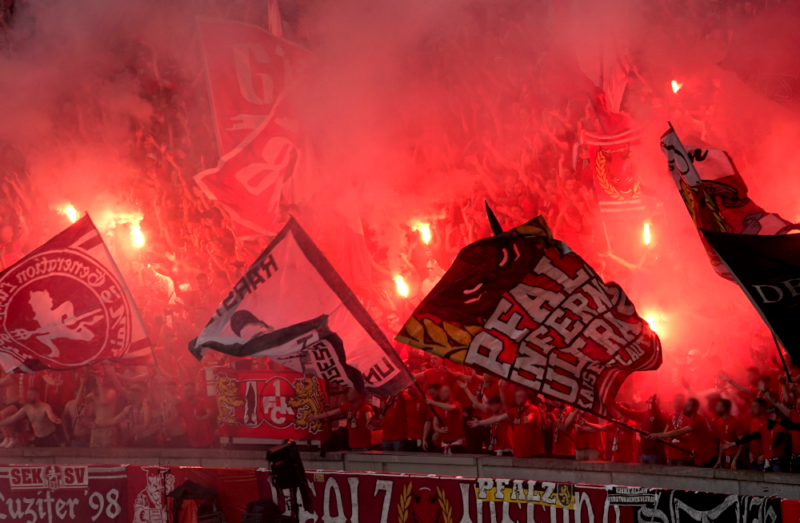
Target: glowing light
[
  {"x": 652, "y": 321},
  {"x": 647, "y": 234},
  {"x": 424, "y": 231},
  {"x": 676, "y": 86},
  {"x": 137, "y": 236},
  {"x": 70, "y": 212},
  {"x": 402, "y": 288}
]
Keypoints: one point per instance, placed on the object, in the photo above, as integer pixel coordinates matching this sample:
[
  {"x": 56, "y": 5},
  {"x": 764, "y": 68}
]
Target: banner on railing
[
  {"x": 139, "y": 494},
  {"x": 56, "y": 493},
  {"x": 266, "y": 407}
]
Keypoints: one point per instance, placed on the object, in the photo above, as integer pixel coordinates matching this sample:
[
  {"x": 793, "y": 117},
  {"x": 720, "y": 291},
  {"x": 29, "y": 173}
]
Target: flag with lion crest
[{"x": 524, "y": 307}]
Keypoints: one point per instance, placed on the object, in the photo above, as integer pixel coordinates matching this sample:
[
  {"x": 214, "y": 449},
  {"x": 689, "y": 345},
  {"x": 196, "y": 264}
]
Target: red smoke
[{"x": 419, "y": 110}]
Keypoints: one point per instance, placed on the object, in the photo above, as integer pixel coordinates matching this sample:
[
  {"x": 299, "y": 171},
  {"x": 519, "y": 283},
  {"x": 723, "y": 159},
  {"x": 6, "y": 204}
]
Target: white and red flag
[
  {"x": 251, "y": 77},
  {"x": 524, "y": 307},
  {"x": 65, "y": 305},
  {"x": 293, "y": 307}
]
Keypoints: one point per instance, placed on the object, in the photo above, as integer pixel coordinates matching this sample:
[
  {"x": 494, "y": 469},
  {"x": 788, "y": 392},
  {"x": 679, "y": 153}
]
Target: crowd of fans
[
  {"x": 751, "y": 426},
  {"x": 524, "y": 145}
]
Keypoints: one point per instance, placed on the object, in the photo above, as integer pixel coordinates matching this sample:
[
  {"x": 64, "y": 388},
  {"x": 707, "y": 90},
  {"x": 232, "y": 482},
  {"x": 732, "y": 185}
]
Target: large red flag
[
  {"x": 250, "y": 75},
  {"x": 251, "y": 181},
  {"x": 65, "y": 305},
  {"x": 249, "y": 69},
  {"x": 524, "y": 307}
]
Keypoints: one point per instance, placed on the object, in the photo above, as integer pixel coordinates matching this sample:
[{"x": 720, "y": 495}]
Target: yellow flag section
[{"x": 545, "y": 493}]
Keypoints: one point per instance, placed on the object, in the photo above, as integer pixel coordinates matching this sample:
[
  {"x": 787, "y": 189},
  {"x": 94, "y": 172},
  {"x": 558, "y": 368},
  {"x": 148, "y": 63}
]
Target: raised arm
[
  {"x": 778, "y": 404},
  {"x": 475, "y": 403},
  {"x": 740, "y": 388},
  {"x": 567, "y": 422}
]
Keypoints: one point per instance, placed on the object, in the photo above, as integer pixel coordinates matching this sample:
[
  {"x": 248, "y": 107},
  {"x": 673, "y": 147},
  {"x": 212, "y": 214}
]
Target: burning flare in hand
[
  {"x": 647, "y": 234},
  {"x": 676, "y": 86},
  {"x": 137, "y": 236},
  {"x": 402, "y": 288},
  {"x": 424, "y": 231}
]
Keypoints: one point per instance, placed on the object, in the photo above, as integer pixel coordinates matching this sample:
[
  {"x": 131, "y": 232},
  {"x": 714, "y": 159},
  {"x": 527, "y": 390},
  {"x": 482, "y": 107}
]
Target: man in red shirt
[
  {"x": 623, "y": 442},
  {"x": 417, "y": 412},
  {"x": 754, "y": 386},
  {"x": 653, "y": 419},
  {"x": 198, "y": 414},
  {"x": 395, "y": 431},
  {"x": 729, "y": 429},
  {"x": 772, "y": 437},
  {"x": 677, "y": 421},
  {"x": 702, "y": 439},
  {"x": 589, "y": 441},
  {"x": 451, "y": 434},
  {"x": 358, "y": 414},
  {"x": 527, "y": 440},
  {"x": 562, "y": 420},
  {"x": 792, "y": 423},
  {"x": 500, "y": 432},
  {"x": 442, "y": 375}
]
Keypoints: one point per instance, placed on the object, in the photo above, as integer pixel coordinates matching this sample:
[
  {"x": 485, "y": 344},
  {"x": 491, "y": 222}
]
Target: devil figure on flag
[
  {"x": 524, "y": 307},
  {"x": 65, "y": 305}
]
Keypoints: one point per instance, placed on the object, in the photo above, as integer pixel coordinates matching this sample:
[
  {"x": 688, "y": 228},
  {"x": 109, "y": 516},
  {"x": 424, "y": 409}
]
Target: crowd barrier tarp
[
  {"x": 138, "y": 494},
  {"x": 265, "y": 407},
  {"x": 406, "y": 498},
  {"x": 56, "y": 493},
  {"x": 676, "y": 505}
]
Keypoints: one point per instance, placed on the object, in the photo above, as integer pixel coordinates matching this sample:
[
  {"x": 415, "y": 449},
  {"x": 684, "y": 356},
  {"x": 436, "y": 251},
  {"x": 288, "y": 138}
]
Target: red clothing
[
  {"x": 774, "y": 390},
  {"x": 768, "y": 437},
  {"x": 675, "y": 422},
  {"x": 443, "y": 376},
  {"x": 201, "y": 433},
  {"x": 417, "y": 412},
  {"x": 794, "y": 417},
  {"x": 730, "y": 431},
  {"x": 563, "y": 440},
  {"x": 526, "y": 433},
  {"x": 589, "y": 440},
  {"x": 395, "y": 419},
  {"x": 756, "y": 447},
  {"x": 454, "y": 422},
  {"x": 702, "y": 440},
  {"x": 501, "y": 436},
  {"x": 358, "y": 434},
  {"x": 491, "y": 391},
  {"x": 508, "y": 391},
  {"x": 623, "y": 445}
]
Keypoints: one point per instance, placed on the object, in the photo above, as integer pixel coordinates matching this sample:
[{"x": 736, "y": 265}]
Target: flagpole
[
  {"x": 596, "y": 113},
  {"x": 141, "y": 322},
  {"x": 783, "y": 360},
  {"x": 497, "y": 229},
  {"x": 639, "y": 431},
  {"x": 419, "y": 388}
]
